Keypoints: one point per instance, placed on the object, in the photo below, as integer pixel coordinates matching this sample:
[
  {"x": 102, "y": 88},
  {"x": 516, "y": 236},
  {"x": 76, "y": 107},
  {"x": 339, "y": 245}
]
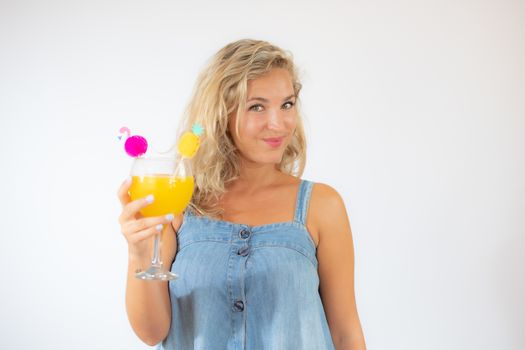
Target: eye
[
  {"x": 252, "y": 108},
  {"x": 291, "y": 104}
]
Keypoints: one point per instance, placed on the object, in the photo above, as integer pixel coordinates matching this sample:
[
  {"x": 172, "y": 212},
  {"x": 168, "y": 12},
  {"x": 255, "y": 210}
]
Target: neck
[{"x": 255, "y": 176}]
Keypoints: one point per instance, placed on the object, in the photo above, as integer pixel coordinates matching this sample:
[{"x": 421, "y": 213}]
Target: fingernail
[
  {"x": 150, "y": 198},
  {"x": 169, "y": 217},
  {"x": 159, "y": 227},
  {"x": 128, "y": 180}
]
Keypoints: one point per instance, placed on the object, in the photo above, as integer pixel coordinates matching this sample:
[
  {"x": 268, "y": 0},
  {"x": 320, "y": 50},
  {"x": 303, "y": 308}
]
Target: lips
[{"x": 274, "y": 141}]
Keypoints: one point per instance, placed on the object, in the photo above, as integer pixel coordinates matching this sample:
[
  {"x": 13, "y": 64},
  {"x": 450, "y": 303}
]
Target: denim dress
[{"x": 247, "y": 287}]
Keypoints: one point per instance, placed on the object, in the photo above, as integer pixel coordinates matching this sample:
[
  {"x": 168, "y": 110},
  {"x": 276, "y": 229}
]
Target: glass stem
[{"x": 155, "y": 261}]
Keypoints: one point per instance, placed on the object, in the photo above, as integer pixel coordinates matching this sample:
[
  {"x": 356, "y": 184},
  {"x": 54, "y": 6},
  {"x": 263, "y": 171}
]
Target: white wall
[{"x": 415, "y": 114}]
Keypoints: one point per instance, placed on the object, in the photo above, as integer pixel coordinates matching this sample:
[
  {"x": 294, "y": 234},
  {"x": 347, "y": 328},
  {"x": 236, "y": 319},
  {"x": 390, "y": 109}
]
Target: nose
[{"x": 275, "y": 120}]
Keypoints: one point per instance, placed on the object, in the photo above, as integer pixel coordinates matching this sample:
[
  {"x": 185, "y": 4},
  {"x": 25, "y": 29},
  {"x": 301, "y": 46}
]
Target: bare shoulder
[
  {"x": 325, "y": 192},
  {"x": 326, "y": 202},
  {"x": 326, "y": 210}
]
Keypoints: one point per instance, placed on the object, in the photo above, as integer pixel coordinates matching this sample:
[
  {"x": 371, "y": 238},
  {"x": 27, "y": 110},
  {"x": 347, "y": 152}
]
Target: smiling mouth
[{"x": 274, "y": 142}]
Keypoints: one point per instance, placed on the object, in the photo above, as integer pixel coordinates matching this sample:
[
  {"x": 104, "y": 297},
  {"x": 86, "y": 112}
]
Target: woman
[{"x": 265, "y": 258}]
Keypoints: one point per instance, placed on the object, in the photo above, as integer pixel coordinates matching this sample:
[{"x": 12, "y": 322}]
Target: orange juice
[{"x": 172, "y": 194}]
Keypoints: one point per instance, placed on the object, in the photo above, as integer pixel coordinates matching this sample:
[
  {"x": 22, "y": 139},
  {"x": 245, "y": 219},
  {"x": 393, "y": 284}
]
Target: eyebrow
[{"x": 266, "y": 100}]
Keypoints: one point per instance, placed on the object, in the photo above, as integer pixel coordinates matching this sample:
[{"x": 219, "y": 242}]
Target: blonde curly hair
[{"x": 221, "y": 92}]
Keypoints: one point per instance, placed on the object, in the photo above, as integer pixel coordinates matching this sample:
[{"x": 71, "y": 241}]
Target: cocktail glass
[{"x": 169, "y": 179}]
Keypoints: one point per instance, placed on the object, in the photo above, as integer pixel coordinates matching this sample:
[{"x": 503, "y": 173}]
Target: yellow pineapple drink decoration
[{"x": 190, "y": 141}]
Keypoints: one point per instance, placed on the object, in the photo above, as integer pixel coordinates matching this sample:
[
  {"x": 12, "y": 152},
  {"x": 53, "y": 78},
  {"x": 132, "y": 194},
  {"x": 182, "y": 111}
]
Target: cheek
[
  {"x": 242, "y": 140},
  {"x": 251, "y": 128},
  {"x": 291, "y": 122}
]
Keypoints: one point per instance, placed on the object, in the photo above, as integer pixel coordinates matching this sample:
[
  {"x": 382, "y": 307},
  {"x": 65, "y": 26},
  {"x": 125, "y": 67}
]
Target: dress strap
[
  {"x": 303, "y": 199},
  {"x": 189, "y": 211}
]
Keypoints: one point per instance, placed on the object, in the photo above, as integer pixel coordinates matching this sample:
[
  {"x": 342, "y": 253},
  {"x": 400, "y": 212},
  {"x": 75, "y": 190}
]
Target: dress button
[
  {"x": 238, "y": 306},
  {"x": 243, "y": 251},
  {"x": 244, "y": 233}
]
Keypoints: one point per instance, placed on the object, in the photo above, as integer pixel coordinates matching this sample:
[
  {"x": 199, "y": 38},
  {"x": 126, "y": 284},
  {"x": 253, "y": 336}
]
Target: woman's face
[{"x": 269, "y": 120}]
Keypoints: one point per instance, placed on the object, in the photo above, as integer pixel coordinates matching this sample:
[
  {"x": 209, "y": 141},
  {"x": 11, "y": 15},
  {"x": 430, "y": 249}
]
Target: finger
[
  {"x": 132, "y": 208},
  {"x": 142, "y": 235},
  {"x": 122, "y": 192},
  {"x": 145, "y": 223}
]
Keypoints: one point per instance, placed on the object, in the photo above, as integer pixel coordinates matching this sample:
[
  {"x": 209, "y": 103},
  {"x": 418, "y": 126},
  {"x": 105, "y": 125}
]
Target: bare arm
[
  {"x": 335, "y": 254},
  {"x": 148, "y": 304}
]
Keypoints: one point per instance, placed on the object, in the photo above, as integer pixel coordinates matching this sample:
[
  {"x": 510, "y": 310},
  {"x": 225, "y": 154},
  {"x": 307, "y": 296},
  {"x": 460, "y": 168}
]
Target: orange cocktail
[{"x": 172, "y": 193}]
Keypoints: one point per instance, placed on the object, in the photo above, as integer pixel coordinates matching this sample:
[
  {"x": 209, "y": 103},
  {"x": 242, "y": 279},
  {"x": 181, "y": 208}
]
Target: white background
[{"x": 415, "y": 113}]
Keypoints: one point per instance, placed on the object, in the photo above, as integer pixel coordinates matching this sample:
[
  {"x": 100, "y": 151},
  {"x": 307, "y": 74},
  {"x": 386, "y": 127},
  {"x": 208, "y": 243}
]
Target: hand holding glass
[{"x": 169, "y": 180}]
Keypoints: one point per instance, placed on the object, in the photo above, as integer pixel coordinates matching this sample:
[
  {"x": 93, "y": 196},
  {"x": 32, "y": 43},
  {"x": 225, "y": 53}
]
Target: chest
[
  {"x": 272, "y": 207},
  {"x": 258, "y": 210}
]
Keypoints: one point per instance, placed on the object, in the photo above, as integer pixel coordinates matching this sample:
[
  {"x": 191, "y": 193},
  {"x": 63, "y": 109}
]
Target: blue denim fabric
[{"x": 247, "y": 287}]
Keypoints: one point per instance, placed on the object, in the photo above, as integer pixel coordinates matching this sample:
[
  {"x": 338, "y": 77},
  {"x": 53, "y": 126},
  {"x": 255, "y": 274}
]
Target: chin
[
  {"x": 264, "y": 156},
  {"x": 269, "y": 159}
]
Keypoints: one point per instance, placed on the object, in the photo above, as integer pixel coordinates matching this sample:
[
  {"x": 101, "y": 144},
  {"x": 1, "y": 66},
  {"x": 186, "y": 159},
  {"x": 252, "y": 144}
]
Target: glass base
[{"x": 156, "y": 273}]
